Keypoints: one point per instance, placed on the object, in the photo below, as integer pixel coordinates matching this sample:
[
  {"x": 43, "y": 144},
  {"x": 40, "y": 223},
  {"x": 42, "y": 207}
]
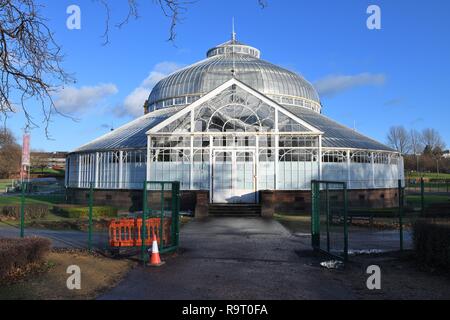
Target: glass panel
[
  {"x": 244, "y": 171},
  {"x": 223, "y": 171},
  {"x": 286, "y": 124},
  {"x": 234, "y": 110}
]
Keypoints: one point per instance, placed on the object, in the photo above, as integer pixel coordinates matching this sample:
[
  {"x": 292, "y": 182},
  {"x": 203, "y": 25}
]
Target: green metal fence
[
  {"x": 329, "y": 230},
  {"x": 429, "y": 197},
  {"x": 94, "y": 220},
  {"x": 348, "y": 222},
  {"x": 161, "y": 200}
]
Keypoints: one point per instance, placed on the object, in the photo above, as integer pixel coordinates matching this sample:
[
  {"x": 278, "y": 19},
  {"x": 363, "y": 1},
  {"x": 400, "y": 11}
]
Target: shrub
[
  {"x": 432, "y": 243},
  {"x": 32, "y": 212},
  {"x": 18, "y": 253},
  {"x": 76, "y": 212}
]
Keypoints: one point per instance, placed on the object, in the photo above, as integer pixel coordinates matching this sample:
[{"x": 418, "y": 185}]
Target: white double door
[{"x": 234, "y": 176}]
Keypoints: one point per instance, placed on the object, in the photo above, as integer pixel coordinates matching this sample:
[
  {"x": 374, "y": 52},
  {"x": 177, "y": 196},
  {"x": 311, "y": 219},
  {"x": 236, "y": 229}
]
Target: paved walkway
[
  {"x": 235, "y": 258},
  {"x": 60, "y": 238}
]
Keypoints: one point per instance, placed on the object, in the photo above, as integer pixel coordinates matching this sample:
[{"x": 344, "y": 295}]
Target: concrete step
[{"x": 235, "y": 210}]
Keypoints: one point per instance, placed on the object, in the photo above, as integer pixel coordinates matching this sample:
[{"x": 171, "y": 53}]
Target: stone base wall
[
  {"x": 300, "y": 201},
  {"x": 271, "y": 201},
  {"x": 129, "y": 200}
]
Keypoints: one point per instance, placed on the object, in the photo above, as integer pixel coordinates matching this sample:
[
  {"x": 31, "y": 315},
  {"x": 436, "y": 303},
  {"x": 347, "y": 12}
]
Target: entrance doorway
[{"x": 234, "y": 177}]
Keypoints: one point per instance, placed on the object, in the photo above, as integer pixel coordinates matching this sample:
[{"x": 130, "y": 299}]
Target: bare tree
[
  {"x": 39, "y": 160},
  {"x": 398, "y": 138},
  {"x": 174, "y": 10},
  {"x": 415, "y": 139},
  {"x": 29, "y": 60},
  {"x": 10, "y": 154},
  {"x": 432, "y": 138}
]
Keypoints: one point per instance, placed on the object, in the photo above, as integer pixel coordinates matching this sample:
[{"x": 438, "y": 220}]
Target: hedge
[
  {"x": 76, "y": 212},
  {"x": 432, "y": 243},
  {"x": 32, "y": 211},
  {"x": 18, "y": 253}
]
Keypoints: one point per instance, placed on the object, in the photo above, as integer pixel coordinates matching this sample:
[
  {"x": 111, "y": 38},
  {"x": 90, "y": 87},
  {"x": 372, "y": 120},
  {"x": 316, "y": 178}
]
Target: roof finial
[{"x": 233, "y": 33}]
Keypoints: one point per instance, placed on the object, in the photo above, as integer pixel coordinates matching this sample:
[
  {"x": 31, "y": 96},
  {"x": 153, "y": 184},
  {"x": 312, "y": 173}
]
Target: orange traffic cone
[{"x": 155, "y": 260}]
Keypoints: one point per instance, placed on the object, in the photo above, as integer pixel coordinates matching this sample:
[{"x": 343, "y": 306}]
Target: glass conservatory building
[{"x": 232, "y": 126}]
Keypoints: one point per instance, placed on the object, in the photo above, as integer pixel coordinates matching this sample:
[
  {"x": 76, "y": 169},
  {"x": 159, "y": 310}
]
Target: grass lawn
[
  {"x": 45, "y": 200},
  {"x": 48, "y": 171},
  {"x": 428, "y": 175},
  {"x": 295, "y": 224},
  {"x": 415, "y": 200},
  {"x": 51, "y": 220},
  {"x": 302, "y": 224},
  {"x": 55, "y": 221},
  {"x": 48, "y": 281},
  {"x": 4, "y": 183}
]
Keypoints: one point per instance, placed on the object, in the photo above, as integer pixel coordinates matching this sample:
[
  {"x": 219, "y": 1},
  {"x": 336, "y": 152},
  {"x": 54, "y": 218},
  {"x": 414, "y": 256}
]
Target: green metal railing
[
  {"x": 151, "y": 210},
  {"x": 164, "y": 204},
  {"x": 322, "y": 190}
]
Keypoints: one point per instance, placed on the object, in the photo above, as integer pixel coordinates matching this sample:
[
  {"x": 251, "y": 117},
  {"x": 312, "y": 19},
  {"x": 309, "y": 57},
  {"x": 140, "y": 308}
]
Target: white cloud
[
  {"x": 134, "y": 102},
  {"x": 72, "y": 100},
  {"x": 335, "y": 84}
]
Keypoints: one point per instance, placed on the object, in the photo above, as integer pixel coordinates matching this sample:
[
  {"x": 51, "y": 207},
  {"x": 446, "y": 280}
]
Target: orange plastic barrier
[{"x": 127, "y": 232}]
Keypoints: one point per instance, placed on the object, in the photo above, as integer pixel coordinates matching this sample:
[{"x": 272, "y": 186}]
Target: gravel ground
[{"x": 237, "y": 258}]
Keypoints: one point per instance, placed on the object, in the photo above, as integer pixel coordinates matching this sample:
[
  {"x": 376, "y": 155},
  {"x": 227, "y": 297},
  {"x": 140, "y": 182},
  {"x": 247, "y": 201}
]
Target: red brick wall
[
  {"x": 300, "y": 201},
  {"x": 271, "y": 201},
  {"x": 130, "y": 200}
]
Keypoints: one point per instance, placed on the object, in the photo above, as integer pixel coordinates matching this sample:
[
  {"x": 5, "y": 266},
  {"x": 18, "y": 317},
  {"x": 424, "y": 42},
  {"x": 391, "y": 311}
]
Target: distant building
[{"x": 56, "y": 160}]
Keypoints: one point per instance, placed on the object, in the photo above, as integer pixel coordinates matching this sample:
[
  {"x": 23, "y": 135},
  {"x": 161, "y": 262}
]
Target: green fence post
[
  {"x": 422, "y": 197},
  {"x": 91, "y": 201},
  {"x": 327, "y": 199},
  {"x": 345, "y": 223},
  {"x": 22, "y": 211},
  {"x": 144, "y": 218},
  {"x": 400, "y": 211},
  {"x": 177, "y": 214},
  {"x": 161, "y": 226},
  {"x": 315, "y": 211}
]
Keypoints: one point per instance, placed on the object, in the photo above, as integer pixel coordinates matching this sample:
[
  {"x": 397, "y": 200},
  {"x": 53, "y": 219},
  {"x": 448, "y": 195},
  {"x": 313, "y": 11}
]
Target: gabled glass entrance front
[{"x": 233, "y": 143}]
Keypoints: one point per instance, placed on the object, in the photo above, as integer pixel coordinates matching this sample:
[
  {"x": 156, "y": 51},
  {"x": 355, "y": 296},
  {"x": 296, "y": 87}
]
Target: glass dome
[{"x": 234, "y": 59}]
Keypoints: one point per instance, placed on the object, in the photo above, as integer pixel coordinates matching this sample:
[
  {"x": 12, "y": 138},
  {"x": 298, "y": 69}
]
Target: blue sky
[{"x": 373, "y": 79}]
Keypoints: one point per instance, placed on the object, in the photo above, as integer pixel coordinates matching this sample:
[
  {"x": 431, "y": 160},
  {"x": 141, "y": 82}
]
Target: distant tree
[
  {"x": 432, "y": 138},
  {"x": 39, "y": 161},
  {"x": 415, "y": 139},
  {"x": 10, "y": 154},
  {"x": 398, "y": 138},
  {"x": 428, "y": 151}
]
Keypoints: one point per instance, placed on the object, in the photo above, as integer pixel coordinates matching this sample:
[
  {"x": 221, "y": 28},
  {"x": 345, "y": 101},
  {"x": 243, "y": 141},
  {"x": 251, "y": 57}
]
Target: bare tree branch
[
  {"x": 263, "y": 3},
  {"x": 398, "y": 138},
  {"x": 30, "y": 58},
  {"x": 30, "y": 61},
  {"x": 432, "y": 139},
  {"x": 174, "y": 10},
  {"x": 132, "y": 13}
]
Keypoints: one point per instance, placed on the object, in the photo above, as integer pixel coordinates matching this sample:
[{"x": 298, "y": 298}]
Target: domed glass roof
[{"x": 234, "y": 59}]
